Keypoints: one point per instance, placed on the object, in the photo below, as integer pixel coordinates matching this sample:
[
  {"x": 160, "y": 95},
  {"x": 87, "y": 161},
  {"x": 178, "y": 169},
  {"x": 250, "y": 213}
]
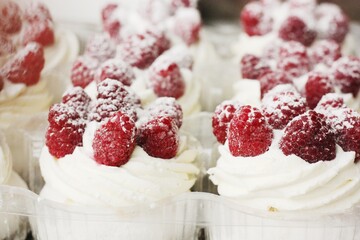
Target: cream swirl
[
  {"x": 77, "y": 178},
  {"x": 273, "y": 181}
]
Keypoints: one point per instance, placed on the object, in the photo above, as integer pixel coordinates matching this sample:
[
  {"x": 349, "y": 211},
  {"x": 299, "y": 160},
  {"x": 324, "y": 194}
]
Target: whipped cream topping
[
  {"x": 5, "y": 161},
  {"x": 78, "y": 179},
  {"x": 275, "y": 182}
]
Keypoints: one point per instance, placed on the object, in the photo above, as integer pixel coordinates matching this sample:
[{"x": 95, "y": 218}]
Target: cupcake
[
  {"x": 12, "y": 226},
  {"x": 287, "y": 167},
  {"x": 127, "y": 157}
]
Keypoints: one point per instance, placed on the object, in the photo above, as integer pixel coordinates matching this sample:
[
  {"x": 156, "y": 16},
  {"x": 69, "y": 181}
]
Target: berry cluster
[{"x": 122, "y": 124}]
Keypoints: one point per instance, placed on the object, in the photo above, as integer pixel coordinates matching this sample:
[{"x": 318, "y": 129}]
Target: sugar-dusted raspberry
[
  {"x": 6, "y": 45},
  {"x": 270, "y": 80},
  {"x": 346, "y": 73},
  {"x": 112, "y": 26},
  {"x": 39, "y": 31},
  {"x": 25, "y": 67},
  {"x": 1, "y": 83},
  {"x": 295, "y": 29},
  {"x": 294, "y": 66},
  {"x": 223, "y": 114},
  {"x": 309, "y": 137},
  {"x": 318, "y": 84},
  {"x": 100, "y": 47},
  {"x": 37, "y": 11},
  {"x": 166, "y": 79},
  {"x": 155, "y": 11},
  {"x": 65, "y": 130},
  {"x": 140, "y": 50},
  {"x": 255, "y": 20},
  {"x": 329, "y": 102},
  {"x": 162, "y": 41},
  {"x": 159, "y": 137},
  {"x": 252, "y": 67},
  {"x": 249, "y": 133},
  {"x": 176, "y": 4},
  {"x": 167, "y": 107},
  {"x": 10, "y": 15},
  {"x": 325, "y": 51},
  {"x": 108, "y": 11},
  {"x": 332, "y": 23},
  {"x": 114, "y": 141},
  {"x": 281, "y": 104},
  {"x": 181, "y": 55},
  {"x": 116, "y": 69},
  {"x": 83, "y": 70},
  {"x": 78, "y": 99},
  {"x": 113, "y": 89},
  {"x": 188, "y": 25},
  {"x": 292, "y": 49}
]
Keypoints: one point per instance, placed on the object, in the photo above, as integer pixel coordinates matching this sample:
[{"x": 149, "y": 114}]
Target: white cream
[{"x": 275, "y": 182}]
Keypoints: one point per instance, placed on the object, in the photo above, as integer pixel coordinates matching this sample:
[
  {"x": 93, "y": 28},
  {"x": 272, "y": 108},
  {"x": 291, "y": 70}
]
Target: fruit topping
[
  {"x": 325, "y": 51},
  {"x": 114, "y": 141},
  {"x": 100, "y": 47},
  {"x": 10, "y": 15},
  {"x": 39, "y": 31},
  {"x": 272, "y": 79},
  {"x": 187, "y": 25},
  {"x": 6, "y": 45},
  {"x": 295, "y": 29},
  {"x": 77, "y": 98},
  {"x": 252, "y": 67},
  {"x": 309, "y": 137},
  {"x": 255, "y": 20},
  {"x": 83, "y": 71},
  {"x": 318, "y": 84},
  {"x": 167, "y": 107},
  {"x": 249, "y": 133},
  {"x": 346, "y": 71},
  {"x": 118, "y": 70}
]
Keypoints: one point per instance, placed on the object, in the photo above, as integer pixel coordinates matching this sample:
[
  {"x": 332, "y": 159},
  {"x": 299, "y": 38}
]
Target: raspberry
[
  {"x": 39, "y": 31},
  {"x": 292, "y": 49},
  {"x": 255, "y": 20},
  {"x": 166, "y": 79},
  {"x": 83, "y": 71},
  {"x": 249, "y": 134},
  {"x": 118, "y": 70},
  {"x": 294, "y": 66},
  {"x": 272, "y": 79},
  {"x": 162, "y": 42},
  {"x": 155, "y": 11},
  {"x": 10, "y": 15},
  {"x": 332, "y": 23},
  {"x": 328, "y": 102},
  {"x": 112, "y": 27},
  {"x": 114, "y": 141},
  {"x": 167, "y": 107},
  {"x": 221, "y": 119},
  {"x": 181, "y": 55},
  {"x": 108, "y": 11},
  {"x": 25, "y": 67},
  {"x": 100, "y": 47},
  {"x": 325, "y": 51},
  {"x": 78, "y": 99},
  {"x": 317, "y": 85},
  {"x": 253, "y": 67},
  {"x": 113, "y": 89},
  {"x": 281, "y": 105},
  {"x": 140, "y": 50},
  {"x": 6, "y": 46},
  {"x": 188, "y": 25},
  {"x": 65, "y": 130},
  {"x": 295, "y": 29},
  {"x": 346, "y": 71},
  {"x": 176, "y": 4},
  {"x": 37, "y": 11},
  {"x": 159, "y": 137},
  {"x": 309, "y": 137}
]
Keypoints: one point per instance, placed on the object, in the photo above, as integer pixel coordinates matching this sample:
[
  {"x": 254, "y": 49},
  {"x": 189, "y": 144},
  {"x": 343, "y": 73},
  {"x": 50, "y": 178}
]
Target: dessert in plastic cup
[
  {"x": 12, "y": 226},
  {"x": 110, "y": 154},
  {"x": 293, "y": 165},
  {"x": 266, "y": 23}
]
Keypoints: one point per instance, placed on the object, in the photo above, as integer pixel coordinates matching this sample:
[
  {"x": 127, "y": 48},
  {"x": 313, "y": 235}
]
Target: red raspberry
[
  {"x": 255, "y": 20},
  {"x": 249, "y": 134},
  {"x": 118, "y": 70},
  {"x": 113, "y": 89},
  {"x": 140, "y": 50},
  {"x": 272, "y": 79},
  {"x": 100, "y": 47},
  {"x": 346, "y": 71},
  {"x": 1, "y": 83},
  {"x": 114, "y": 141},
  {"x": 83, "y": 71},
  {"x": 181, "y": 55},
  {"x": 112, "y": 26},
  {"x": 223, "y": 114},
  {"x": 309, "y": 137},
  {"x": 294, "y": 66},
  {"x": 253, "y": 67},
  {"x": 332, "y": 22},
  {"x": 10, "y": 15},
  {"x": 317, "y": 85},
  {"x": 155, "y": 11},
  {"x": 325, "y": 51},
  {"x": 37, "y": 11},
  {"x": 108, "y": 11},
  {"x": 25, "y": 67},
  {"x": 166, "y": 107},
  {"x": 166, "y": 79},
  {"x": 292, "y": 49},
  {"x": 65, "y": 130},
  {"x": 329, "y": 102},
  {"x": 295, "y": 29},
  {"x": 281, "y": 105},
  {"x": 78, "y": 99},
  {"x": 188, "y": 25},
  {"x": 162, "y": 42},
  {"x": 6, "y": 46},
  {"x": 159, "y": 137},
  {"x": 39, "y": 31}
]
